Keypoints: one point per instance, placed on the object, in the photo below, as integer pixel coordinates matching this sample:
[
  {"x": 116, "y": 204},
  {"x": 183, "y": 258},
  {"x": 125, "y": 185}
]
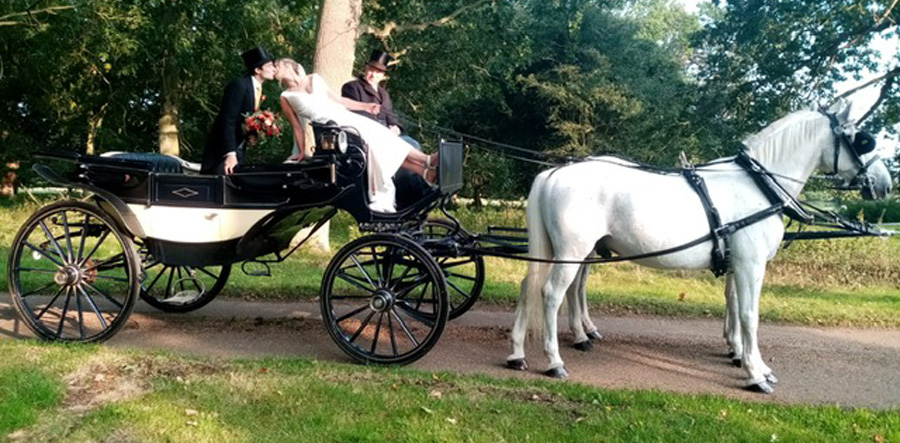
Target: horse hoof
[
  {"x": 517, "y": 364},
  {"x": 557, "y": 372},
  {"x": 771, "y": 378},
  {"x": 595, "y": 335},
  {"x": 584, "y": 346},
  {"x": 761, "y": 387},
  {"x": 736, "y": 362}
]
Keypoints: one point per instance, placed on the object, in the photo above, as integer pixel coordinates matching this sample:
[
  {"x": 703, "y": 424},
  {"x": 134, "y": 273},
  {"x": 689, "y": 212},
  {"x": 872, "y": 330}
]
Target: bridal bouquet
[{"x": 262, "y": 124}]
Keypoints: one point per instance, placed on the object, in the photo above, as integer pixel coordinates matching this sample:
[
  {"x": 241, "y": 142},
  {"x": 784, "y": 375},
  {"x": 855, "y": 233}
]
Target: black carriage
[{"x": 150, "y": 229}]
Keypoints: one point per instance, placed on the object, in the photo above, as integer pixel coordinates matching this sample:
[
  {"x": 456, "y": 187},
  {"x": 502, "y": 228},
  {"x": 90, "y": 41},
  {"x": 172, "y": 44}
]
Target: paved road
[{"x": 847, "y": 367}]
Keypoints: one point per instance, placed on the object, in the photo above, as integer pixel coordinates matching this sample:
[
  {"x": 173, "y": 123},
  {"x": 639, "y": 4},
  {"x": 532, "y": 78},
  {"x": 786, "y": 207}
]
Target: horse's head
[{"x": 852, "y": 160}]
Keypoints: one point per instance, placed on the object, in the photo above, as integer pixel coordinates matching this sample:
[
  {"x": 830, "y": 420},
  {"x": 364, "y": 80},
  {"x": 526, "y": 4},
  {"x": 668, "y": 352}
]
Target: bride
[{"x": 308, "y": 96}]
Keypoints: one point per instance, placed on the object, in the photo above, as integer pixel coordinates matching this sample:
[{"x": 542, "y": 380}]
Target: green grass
[
  {"x": 849, "y": 282},
  {"x": 180, "y": 399}
]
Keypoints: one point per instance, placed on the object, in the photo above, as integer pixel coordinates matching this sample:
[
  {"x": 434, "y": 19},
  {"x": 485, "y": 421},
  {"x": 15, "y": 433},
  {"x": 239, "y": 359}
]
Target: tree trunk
[
  {"x": 333, "y": 60},
  {"x": 168, "y": 121},
  {"x": 94, "y": 123},
  {"x": 8, "y": 183},
  {"x": 168, "y": 128}
]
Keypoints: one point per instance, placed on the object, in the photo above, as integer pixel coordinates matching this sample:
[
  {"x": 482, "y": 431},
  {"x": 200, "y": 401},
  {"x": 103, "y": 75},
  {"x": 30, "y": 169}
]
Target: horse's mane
[{"x": 780, "y": 140}]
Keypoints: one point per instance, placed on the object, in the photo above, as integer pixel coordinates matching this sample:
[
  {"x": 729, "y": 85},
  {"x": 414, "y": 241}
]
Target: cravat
[{"x": 256, "y": 98}]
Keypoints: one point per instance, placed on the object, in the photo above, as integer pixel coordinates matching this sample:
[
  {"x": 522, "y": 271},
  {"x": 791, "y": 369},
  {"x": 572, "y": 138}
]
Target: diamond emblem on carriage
[{"x": 185, "y": 192}]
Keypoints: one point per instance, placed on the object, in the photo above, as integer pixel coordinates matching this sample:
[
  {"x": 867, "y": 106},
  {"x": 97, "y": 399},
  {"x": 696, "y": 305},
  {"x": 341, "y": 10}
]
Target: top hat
[
  {"x": 379, "y": 60},
  {"x": 256, "y": 57}
]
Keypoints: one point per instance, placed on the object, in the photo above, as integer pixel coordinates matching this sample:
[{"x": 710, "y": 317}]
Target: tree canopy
[{"x": 641, "y": 78}]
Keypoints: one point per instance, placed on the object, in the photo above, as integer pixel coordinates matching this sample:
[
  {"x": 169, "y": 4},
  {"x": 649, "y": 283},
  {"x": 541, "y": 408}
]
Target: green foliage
[{"x": 882, "y": 211}]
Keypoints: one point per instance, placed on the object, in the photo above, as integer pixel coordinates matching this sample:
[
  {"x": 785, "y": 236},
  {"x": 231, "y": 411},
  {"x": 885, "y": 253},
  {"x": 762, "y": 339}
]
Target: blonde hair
[{"x": 297, "y": 67}]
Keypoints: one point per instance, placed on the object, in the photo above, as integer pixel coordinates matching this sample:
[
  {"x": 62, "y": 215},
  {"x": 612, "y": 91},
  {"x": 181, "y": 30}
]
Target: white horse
[{"x": 609, "y": 204}]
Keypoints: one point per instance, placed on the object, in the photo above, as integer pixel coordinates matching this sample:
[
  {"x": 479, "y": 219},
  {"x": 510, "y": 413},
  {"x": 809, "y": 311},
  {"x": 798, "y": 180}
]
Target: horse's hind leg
[
  {"x": 516, "y": 360},
  {"x": 592, "y": 332},
  {"x": 561, "y": 277},
  {"x": 732, "y": 330},
  {"x": 579, "y": 321}
]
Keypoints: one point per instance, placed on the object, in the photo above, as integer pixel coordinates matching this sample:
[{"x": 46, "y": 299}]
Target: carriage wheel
[
  {"x": 384, "y": 300},
  {"x": 180, "y": 289},
  {"x": 464, "y": 275},
  {"x": 72, "y": 275}
]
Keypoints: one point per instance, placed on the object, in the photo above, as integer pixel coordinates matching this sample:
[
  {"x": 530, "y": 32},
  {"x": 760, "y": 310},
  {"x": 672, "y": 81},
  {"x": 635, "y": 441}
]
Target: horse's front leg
[
  {"x": 732, "y": 330},
  {"x": 748, "y": 281},
  {"x": 561, "y": 277},
  {"x": 576, "y": 297}
]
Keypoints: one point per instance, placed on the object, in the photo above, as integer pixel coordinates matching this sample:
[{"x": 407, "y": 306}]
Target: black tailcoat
[{"x": 227, "y": 132}]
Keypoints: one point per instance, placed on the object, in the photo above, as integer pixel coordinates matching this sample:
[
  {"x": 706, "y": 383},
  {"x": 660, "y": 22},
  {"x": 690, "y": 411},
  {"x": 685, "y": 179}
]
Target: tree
[{"x": 760, "y": 59}]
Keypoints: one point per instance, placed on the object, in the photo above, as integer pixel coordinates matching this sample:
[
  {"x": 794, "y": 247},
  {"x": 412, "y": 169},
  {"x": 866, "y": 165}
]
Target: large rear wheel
[
  {"x": 384, "y": 300},
  {"x": 73, "y": 276}
]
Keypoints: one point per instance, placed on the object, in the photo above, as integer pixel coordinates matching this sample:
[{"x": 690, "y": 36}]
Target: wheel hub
[
  {"x": 381, "y": 301},
  {"x": 68, "y": 276}
]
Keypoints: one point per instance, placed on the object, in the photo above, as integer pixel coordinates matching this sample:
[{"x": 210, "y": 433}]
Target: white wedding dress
[{"x": 386, "y": 150}]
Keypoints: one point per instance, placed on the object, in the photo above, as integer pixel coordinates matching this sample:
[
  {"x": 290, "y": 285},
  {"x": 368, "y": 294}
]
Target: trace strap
[{"x": 722, "y": 231}]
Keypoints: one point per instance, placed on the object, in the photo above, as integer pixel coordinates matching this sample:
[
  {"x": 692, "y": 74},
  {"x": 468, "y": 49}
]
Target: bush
[{"x": 882, "y": 211}]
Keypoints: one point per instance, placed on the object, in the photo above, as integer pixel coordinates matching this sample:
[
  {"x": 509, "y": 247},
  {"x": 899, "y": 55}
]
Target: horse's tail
[{"x": 539, "y": 246}]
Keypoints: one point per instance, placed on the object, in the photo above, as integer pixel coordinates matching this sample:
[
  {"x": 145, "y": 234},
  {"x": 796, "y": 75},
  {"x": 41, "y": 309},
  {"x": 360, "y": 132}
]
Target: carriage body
[{"x": 182, "y": 223}]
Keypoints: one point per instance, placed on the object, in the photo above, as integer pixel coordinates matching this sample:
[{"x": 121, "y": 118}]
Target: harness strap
[
  {"x": 774, "y": 192},
  {"x": 721, "y": 250}
]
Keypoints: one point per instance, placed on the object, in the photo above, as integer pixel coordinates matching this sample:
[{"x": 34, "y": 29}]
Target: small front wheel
[
  {"x": 73, "y": 276},
  {"x": 384, "y": 300}
]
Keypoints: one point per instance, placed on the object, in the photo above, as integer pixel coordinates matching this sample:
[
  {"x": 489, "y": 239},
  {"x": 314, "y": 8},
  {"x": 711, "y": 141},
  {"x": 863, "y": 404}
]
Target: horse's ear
[{"x": 841, "y": 110}]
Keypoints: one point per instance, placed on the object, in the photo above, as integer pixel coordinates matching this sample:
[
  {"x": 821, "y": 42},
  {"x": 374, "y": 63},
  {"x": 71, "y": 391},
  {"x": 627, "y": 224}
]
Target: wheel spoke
[
  {"x": 53, "y": 300},
  {"x": 377, "y": 331},
  {"x": 68, "y": 236},
  {"x": 457, "y": 289},
  {"x": 350, "y": 314},
  {"x": 394, "y": 282},
  {"x": 93, "y": 306},
  {"x": 377, "y": 267},
  {"x": 37, "y": 270},
  {"x": 42, "y": 252},
  {"x": 393, "y": 337},
  {"x": 464, "y": 277},
  {"x": 150, "y": 286},
  {"x": 458, "y": 263},
  {"x": 62, "y": 317},
  {"x": 405, "y": 328},
  {"x": 208, "y": 273},
  {"x": 84, "y": 231},
  {"x": 106, "y": 277},
  {"x": 360, "y": 267},
  {"x": 107, "y": 264},
  {"x": 80, "y": 315},
  {"x": 353, "y": 280},
  {"x": 105, "y": 295},
  {"x": 38, "y": 289},
  {"x": 53, "y": 240},
  {"x": 362, "y": 327},
  {"x": 97, "y": 246},
  {"x": 415, "y": 314}
]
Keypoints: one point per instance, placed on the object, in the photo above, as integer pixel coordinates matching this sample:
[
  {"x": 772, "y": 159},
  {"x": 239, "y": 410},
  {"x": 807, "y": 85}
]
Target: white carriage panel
[{"x": 196, "y": 225}]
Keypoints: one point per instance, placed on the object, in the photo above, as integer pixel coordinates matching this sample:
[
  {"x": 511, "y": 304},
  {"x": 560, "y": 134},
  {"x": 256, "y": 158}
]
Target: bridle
[{"x": 862, "y": 180}]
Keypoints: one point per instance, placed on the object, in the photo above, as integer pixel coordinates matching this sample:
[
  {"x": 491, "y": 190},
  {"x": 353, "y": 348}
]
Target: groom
[{"x": 225, "y": 146}]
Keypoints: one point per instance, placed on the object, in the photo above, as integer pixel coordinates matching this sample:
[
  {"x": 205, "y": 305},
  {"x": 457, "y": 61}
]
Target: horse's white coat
[{"x": 631, "y": 211}]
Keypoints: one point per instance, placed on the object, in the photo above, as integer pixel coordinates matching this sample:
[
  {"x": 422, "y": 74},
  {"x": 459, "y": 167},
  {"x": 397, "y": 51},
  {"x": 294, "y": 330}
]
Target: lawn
[{"x": 92, "y": 393}]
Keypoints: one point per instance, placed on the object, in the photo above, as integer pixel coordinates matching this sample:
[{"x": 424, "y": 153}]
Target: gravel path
[{"x": 846, "y": 367}]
